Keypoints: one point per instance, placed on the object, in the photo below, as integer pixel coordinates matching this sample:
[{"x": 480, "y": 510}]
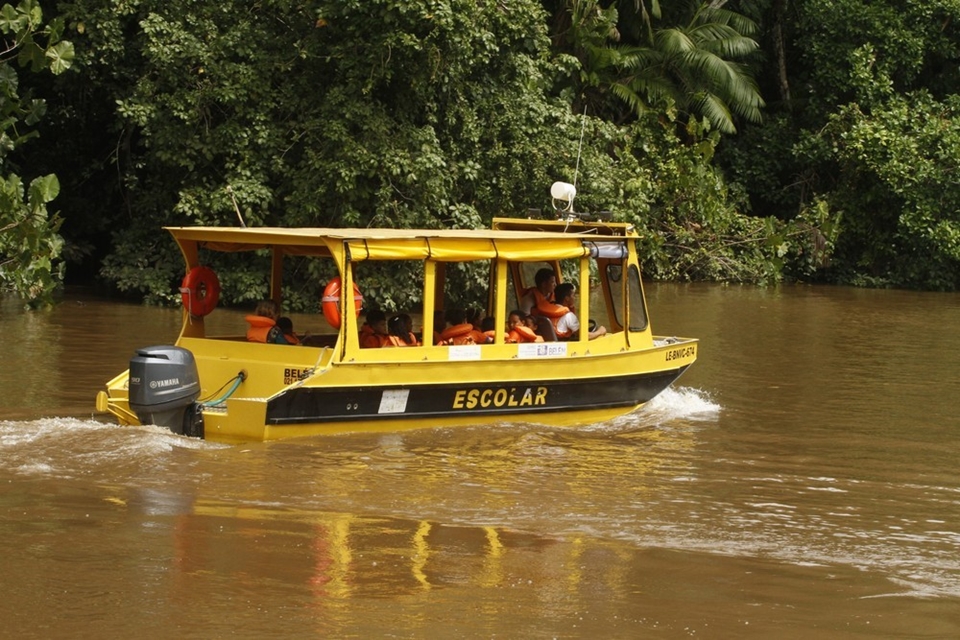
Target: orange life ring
[
  {"x": 200, "y": 291},
  {"x": 330, "y": 301}
]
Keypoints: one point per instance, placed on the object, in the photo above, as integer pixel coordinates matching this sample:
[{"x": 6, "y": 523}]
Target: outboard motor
[{"x": 164, "y": 384}]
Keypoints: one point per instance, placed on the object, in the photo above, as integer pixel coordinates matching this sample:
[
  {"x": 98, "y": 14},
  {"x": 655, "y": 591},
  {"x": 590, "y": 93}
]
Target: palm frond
[
  {"x": 739, "y": 23},
  {"x": 634, "y": 58},
  {"x": 715, "y": 111},
  {"x": 673, "y": 42}
]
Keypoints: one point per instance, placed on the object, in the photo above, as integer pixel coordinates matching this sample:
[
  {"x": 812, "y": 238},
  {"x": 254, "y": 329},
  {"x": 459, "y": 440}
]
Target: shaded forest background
[{"x": 749, "y": 141}]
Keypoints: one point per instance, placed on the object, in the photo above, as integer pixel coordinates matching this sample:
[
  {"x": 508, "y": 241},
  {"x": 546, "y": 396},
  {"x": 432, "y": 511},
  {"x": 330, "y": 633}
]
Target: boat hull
[
  {"x": 459, "y": 401},
  {"x": 393, "y": 396},
  {"x": 315, "y": 411}
]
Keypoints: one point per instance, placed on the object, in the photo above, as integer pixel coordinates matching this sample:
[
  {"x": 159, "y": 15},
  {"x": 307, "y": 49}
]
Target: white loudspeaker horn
[{"x": 565, "y": 192}]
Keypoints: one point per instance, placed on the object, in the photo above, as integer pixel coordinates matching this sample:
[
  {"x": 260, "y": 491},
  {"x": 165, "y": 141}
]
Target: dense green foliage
[
  {"x": 690, "y": 61},
  {"x": 863, "y": 135},
  {"x": 29, "y": 243},
  {"x": 448, "y": 112}
]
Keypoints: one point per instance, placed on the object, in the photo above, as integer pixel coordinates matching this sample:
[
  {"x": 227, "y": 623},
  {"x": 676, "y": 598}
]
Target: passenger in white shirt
[{"x": 568, "y": 325}]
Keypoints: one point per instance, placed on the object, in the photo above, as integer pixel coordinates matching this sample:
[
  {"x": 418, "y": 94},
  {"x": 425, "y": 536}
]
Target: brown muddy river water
[{"x": 800, "y": 481}]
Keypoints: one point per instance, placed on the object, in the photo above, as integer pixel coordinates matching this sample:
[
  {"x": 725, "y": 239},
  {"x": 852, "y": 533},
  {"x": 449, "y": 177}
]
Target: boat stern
[
  {"x": 237, "y": 420},
  {"x": 115, "y": 400}
]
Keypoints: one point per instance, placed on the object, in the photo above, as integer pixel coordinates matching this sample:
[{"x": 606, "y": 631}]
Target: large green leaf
[{"x": 60, "y": 57}]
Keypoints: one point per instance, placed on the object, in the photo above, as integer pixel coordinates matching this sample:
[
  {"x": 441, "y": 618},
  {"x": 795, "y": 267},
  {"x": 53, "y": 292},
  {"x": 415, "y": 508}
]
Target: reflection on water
[{"x": 800, "y": 480}]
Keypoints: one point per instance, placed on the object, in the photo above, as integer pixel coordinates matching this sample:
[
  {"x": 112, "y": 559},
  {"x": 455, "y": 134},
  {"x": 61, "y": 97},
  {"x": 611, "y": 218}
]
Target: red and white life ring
[
  {"x": 330, "y": 302},
  {"x": 200, "y": 291}
]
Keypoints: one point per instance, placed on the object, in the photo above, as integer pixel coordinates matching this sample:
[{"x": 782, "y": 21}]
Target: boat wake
[
  {"x": 74, "y": 448},
  {"x": 682, "y": 404}
]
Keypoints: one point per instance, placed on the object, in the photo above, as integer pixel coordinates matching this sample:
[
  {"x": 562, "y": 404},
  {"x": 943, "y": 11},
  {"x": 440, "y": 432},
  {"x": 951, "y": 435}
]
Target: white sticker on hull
[
  {"x": 464, "y": 352},
  {"x": 542, "y": 350},
  {"x": 394, "y": 401}
]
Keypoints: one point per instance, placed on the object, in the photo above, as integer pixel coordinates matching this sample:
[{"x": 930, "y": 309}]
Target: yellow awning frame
[{"x": 441, "y": 245}]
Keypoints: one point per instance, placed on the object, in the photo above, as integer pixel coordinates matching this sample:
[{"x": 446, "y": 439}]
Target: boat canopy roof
[{"x": 408, "y": 244}]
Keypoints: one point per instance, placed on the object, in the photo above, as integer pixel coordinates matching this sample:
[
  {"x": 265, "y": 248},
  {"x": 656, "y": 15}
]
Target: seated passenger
[
  {"x": 373, "y": 332},
  {"x": 539, "y": 300},
  {"x": 488, "y": 327},
  {"x": 438, "y": 324},
  {"x": 530, "y": 322},
  {"x": 397, "y": 334},
  {"x": 459, "y": 331},
  {"x": 568, "y": 325},
  {"x": 475, "y": 317},
  {"x": 285, "y": 325},
  {"x": 411, "y": 337},
  {"x": 263, "y": 324},
  {"x": 517, "y": 331}
]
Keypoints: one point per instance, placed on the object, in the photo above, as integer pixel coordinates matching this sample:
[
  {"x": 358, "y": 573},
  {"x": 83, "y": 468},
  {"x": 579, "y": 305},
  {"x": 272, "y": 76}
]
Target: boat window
[
  {"x": 566, "y": 270},
  {"x": 613, "y": 288},
  {"x": 599, "y": 310},
  {"x": 463, "y": 309},
  {"x": 395, "y": 285},
  {"x": 638, "y": 310},
  {"x": 528, "y": 273},
  {"x": 304, "y": 278}
]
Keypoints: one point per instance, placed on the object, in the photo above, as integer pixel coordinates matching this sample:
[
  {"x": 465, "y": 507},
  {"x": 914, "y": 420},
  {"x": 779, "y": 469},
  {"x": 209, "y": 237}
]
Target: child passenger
[
  {"x": 489, "y": 328},
  {"x": 285, "y": 325},
  {"x": 263, "y": 324},
  {"x": 568, "y": 325},
  {"x": 374, "y": 332},
  {"x": 458, "y": 331},
  {"x": 399, "y": 335},
  {"x": 411, "y": 338},
  {"x": 518, "y": 330}
]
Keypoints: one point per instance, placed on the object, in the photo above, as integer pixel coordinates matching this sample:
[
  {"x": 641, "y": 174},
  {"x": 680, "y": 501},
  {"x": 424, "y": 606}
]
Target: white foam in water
[
  {"x": 70, "y": 447},
  {"x": 682, "y": 402}
]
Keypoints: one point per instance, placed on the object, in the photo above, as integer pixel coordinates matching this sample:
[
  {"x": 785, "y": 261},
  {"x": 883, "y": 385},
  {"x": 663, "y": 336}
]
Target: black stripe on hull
[{"x": 347, "y": 404}]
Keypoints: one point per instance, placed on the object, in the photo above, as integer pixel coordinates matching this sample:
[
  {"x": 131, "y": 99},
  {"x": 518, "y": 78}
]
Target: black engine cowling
[{"x": 164, "y": 384}]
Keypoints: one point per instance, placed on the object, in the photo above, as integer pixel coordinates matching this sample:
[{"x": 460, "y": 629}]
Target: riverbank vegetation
[{"x": 749, "y": 141}]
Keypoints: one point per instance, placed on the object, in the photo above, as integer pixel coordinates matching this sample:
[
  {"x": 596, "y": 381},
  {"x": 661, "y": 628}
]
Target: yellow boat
[{"x": 226, "y": 388}]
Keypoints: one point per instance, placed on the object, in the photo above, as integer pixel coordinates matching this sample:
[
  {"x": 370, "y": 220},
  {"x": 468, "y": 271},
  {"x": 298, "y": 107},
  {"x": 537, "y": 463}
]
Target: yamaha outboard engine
[{"x": 164, "y": 384}]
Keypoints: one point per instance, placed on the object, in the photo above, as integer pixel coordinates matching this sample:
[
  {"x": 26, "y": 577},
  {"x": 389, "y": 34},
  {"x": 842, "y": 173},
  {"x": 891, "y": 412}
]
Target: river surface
[{"x": 800, "y": 481}]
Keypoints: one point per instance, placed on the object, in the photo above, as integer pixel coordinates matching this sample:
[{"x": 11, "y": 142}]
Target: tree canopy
[
  {"x": 750, "y": 140},
  {"x": 30, "y": 245}
]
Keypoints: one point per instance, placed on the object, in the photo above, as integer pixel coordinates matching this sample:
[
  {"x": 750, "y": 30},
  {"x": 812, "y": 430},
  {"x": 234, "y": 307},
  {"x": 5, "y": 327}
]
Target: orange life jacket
[
  {"x": 458, "y": 334},
  {"x": 260, "y": 328},
  {"x": 394, "y": 341},
  {"x": 479, "y": 337},
  {"x": 545, "y": 307},
  {"x": 523, "y": 334},
  {"x": 371, "y": 340}
]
